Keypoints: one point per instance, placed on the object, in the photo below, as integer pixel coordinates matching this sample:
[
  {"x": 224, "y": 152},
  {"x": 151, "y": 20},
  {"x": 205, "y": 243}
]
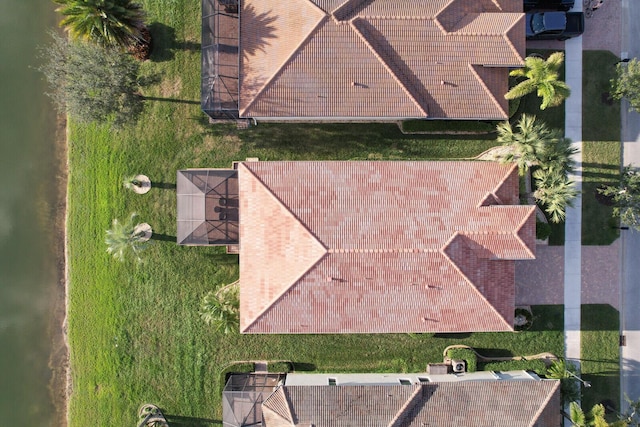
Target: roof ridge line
[
  {"x": 281, "y": 294},
  {"x": 544, "y": 403},
  {"x": 379, "y": 250},
  {"x": 517, "y": 230},
  {"x": 472, "y": 67},
  {"x": 506, "y": 37},
  {"x": 466, "y": 278},
  {"x": 305, "y": 227},
  {"x": 410, "y": 403},
  {"x": 385, "y": 65},
  {"x": 280, "y": 392},
  {"x": 279, "y": 71}
]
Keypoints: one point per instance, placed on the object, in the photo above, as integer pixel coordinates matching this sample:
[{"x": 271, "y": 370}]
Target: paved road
[{"x": 630, "y": 274}]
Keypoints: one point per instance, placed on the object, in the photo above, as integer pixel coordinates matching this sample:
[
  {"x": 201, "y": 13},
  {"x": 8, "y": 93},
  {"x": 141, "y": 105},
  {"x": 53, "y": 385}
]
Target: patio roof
[{"x": 207, "y": 207}]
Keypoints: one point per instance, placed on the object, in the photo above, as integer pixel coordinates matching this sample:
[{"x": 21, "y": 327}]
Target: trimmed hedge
[
  {"x": 278, "y": 367},
  {"x": 237, "y": 368},
  {"x": 543, "y": 230},
  {"x": 466, "y": 354},
  {"x": 535, "y": 365},
  {"x": 448, "y": 126}
]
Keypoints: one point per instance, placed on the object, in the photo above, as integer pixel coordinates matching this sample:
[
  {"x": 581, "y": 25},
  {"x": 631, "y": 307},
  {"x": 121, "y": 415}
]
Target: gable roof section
[
  {"x": 378, "y": 58},
  {"x": 332, "y": 247},
  {"x": 482, "y": 404}
]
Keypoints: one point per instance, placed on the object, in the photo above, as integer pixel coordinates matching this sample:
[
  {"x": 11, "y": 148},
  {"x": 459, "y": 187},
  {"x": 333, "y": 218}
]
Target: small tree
[
  {"x": 221, "y": 308},
  {"x": 128, "y": 236},
  {"x": 533, "y": 143},
  {"x": 626, "y": 84},
  {"x": 626, "y": 197},
  {"x": 594, "y": 418},
  {"x": 92, "y": 83},
  {"x": 105, "y": 22},
  {"x": 543, "y": 77},
  {"x": 561, "y": 370},
  {"x": 554, "y": 191}
]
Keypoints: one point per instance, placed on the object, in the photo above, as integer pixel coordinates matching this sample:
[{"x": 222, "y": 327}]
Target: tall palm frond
[
  {"x": 123, "y": 237},
  {"x": 221, "y": 308},
  {"x": 577, "y": 416},
  {"x": 527, "y": 143},
  {"x": 541, "y": 76},
  {"x": 106, "y": 22},
  {"x": 554, "y": 191}
]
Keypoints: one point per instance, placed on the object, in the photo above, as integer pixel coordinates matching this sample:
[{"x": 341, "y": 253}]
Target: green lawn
[
  {"x": 601, "y": 166},
  {"x": 600, "y": 354},
  {"x": 601, "y": 148},
  {"x": 134, "y": 330}
]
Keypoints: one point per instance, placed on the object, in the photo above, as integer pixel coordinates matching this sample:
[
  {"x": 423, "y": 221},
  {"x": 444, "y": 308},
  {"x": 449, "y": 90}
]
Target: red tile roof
[
  {"x": 333, "y": 247},
  {"x": 357, "y": 59},
  {"x": 481, "y": 404}
]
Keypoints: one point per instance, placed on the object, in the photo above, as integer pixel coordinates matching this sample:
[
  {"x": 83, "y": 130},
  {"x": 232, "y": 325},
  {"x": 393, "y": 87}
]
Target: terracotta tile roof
[
  {"x": 331, "y": 247},
  {"x": 354, "y": 59},
  {"x": 481, "y": 404}
]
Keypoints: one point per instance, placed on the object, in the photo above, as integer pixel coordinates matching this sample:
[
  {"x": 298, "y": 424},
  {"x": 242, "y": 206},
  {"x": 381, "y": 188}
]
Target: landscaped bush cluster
[
  {"x": 466, "y": 354},
  {"x": 543, "y": 230},
  {"x": 280, "y": 367},
  {"x": 535, "y": 365},
  {"x": 236, "y": 368},
  {"x": 448, "y": 126}
]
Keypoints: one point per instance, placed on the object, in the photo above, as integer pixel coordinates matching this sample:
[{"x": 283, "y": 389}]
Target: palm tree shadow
[
  {"x": 164, "y": 185},
  {"x": 164, "y": 237},
  {"x": 178, "y": 420},
  {"x": 165, "y": 43}
]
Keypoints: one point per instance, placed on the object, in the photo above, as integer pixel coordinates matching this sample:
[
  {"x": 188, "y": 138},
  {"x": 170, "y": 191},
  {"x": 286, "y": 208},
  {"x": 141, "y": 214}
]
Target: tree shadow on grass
[
  {"x": 165, "y": 43},
  {"x": 182, "y": 421},
  {"x": 452, "y": 336},
  {"x": 303, "y": 367},
  {"x": 163, "y": 237},
  {"x": 225, "y": 259}
]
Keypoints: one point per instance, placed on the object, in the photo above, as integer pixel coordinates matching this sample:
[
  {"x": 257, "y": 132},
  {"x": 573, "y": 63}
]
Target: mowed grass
[
  {"x": 601, "y": 155},
  {"x": 600, "y": 166},
  {"x": 600, "y": 354},
  {"x": 134, "y": 330}
]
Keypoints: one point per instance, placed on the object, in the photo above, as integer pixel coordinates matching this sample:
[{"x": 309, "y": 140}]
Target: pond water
[{"x": 29, "y": 283}]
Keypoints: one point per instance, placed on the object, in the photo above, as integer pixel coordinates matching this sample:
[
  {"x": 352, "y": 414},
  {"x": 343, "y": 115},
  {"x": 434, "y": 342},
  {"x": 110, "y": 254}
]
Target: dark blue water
[{"x": 29, "y": 288}]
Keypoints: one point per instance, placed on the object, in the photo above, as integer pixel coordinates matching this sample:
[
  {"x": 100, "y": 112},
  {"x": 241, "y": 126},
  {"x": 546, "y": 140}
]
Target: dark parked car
[
  {"x": 564, "y": 5},
  {"x": 554, "y": 25}
]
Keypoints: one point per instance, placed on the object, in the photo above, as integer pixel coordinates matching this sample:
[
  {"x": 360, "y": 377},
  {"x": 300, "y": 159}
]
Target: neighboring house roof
[
  {"x": 375, "y": 59},
  {"x": 481, "y": 404},
  {"x": 347, "y": 247}
]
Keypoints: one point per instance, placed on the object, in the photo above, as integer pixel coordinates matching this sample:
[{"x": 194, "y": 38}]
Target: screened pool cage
[
  {"x": 243, "y": 396},
  {"x": 220, "y": 59},
  {"x": 207, "y": 207}
]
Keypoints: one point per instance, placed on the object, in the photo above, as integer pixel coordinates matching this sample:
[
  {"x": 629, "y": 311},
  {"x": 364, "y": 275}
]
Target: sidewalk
[{"x": 630, "y": 268}]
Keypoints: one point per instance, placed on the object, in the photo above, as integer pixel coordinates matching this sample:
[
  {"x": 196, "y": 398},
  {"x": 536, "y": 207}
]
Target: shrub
[
  {"x": 543, "y": 230},
  {"x": 448, "y": 126},
  {"x": 466, "y": 354},
  {"x": 280, "y": 367},
  {"x": 535, "y": 365}
]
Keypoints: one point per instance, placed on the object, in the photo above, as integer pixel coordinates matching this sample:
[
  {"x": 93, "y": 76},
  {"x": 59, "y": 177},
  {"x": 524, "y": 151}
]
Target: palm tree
[
  {"x": 558, "y": 154},
  {"x": 554, "y": 191},
  {"x": 528, "y": 143},
  {"x": 541, "y": 76},
  {"x": 221, "y": 308},
  {"x": 560, "y": 370},
  {"x": 127, "y": 236},
  {"x": 107, "y": 22},
  {"x": 594, "y": 418}
]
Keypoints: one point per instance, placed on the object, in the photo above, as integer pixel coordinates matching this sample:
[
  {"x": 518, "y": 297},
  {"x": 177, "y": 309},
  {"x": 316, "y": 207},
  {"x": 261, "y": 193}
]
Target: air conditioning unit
[{"x": 458, "y": 366}]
